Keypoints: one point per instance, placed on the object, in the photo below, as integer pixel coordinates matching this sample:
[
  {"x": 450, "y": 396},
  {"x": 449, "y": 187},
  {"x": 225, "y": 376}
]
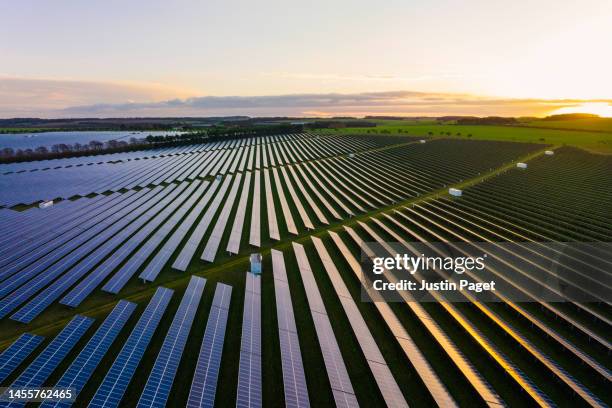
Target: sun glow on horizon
[{"x": 602, "y": 109}]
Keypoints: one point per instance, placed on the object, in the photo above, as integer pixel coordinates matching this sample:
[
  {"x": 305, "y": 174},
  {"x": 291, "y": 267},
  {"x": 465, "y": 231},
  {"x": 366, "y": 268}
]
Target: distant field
[
  {"x": 597, "y": 124},
  {"x": 595, "y": 142}
]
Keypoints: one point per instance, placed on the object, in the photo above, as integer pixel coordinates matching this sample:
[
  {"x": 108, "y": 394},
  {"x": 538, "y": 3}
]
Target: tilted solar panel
[
  {"x": 159, "y": 384},
  {"x": 17, "y": 352},
  {"x": 118, "y": 377},
  {"x": 204, "y": 385}
]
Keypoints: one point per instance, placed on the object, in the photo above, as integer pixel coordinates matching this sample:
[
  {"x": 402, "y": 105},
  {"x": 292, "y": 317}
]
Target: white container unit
[
  {"x": 455, "y": 192},
  {"x": 45, "y": 204}
]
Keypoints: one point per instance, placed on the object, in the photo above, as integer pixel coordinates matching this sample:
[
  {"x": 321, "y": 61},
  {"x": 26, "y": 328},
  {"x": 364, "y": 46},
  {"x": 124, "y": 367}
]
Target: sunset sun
[{"x": 602, "y": 109}]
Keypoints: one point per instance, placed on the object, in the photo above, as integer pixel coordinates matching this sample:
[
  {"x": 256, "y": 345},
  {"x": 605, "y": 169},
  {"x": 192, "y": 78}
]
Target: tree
[
  {"x": 8, "y": 152},
  {"x": 42, "y": 150},
  {"x": 96, "y": 145}
]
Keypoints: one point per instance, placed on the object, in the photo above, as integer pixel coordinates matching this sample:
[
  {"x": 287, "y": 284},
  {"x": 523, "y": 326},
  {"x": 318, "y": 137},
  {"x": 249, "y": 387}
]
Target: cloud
[
  {"x": 47, "y": 97},
  {"x": 65, "y": 98}
]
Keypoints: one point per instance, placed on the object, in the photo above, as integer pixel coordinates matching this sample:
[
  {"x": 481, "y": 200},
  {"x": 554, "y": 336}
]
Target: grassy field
[
  {"x": 591, "y": 124},
  {"x": 591, "y": 141}
]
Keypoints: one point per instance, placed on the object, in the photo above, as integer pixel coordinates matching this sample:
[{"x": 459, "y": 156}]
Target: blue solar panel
[
  {"x": 79, "y": 372},
  {"x": 111, "y": 391},
  {"x": 204, "y": 385},
  {"x": 48, "y": 360},
  {"x": 294, "y": 379},
  {"x": 159, "y": 384},
  {"x": 17, "y": 352},
  {"x": 249, "y": 372}
]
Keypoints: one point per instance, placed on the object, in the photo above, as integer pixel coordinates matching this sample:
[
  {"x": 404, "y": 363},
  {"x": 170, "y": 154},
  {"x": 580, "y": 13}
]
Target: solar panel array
[
  {"x": 294, "y": 379},
  {"x": 204, "y": 385},
  {"x": 344, "y": 395},
  {"x": 118, "y": 377},
  {"x": 249, "y": 371},
  {"x": 429, "y": 377},
  {"x": 83, "y": 366},
  {"x": 47, "y": 361},
  {"x": 17, "y": 352},
  {"x": 482, "y": 386},
  {"x": 389, "y": 389},
  {"x": 157, "y": 389}
]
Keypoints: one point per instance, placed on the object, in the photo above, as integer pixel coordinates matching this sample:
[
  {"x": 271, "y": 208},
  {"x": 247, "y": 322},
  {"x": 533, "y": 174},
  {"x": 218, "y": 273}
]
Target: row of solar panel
[
  {"x": 130, "y": 227},
  {"x": 112, "y": 388},
  {"x": 112, "y": 176}
]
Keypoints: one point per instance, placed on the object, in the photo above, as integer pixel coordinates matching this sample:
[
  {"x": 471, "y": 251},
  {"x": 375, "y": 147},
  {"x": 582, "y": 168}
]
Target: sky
[{"x": 304, "y": 58}]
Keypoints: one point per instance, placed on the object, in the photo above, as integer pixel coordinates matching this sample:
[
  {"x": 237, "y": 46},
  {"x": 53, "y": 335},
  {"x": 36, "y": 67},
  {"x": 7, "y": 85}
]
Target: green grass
[
  {"x": 591, "y": 141},
  {"x": 590, "y": 124}
]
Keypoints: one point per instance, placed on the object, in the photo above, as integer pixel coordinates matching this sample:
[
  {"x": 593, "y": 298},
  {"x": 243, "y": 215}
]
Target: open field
[
  {"x": 306, "y": 202},
  {"x": 595, "y": 142},
  {"x": 594, "y": 124}
]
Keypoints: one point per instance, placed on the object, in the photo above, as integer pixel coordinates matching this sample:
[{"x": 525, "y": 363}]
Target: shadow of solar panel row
[
  {"x": 204, "y": 385},
  {"x": 99, "y": 234},
  {"x": 47, "y": 361},
  {"x": 118, "y": 377},
  {"x": 83, "y": 366},
  {"x": 344, "y": 395},
  {"x": 294, "y": 379},
  {"x": 249, "y": 392},
  {"x": 17, "y": 352},
  {"x": 157, "y": 389}
]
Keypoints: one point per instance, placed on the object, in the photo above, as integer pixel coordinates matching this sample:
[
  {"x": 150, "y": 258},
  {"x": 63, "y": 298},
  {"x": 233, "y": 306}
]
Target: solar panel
[
  {"x": 204, "y": 385},
  {"x": 272, "y": 223},
  {"x": 159, "y": 384},
  {"x": 184, "y": 257},
  {"x": 307, "y": 196},
  {"x": 294, "y": 379},
  {"x": 233, "y": 245},
  {"x": 255, "y": 233},
  {"x": 17, "y": 352},
  {"x": 296, "y": 200},
  {"x": 210, "y": 250},
  {"x": 118, "y": 377},
  {"x": 249, "y": 371},
  {"x": 284, "y": 204},
  {"x": 47, "y": 361},
  {"x": 344, "y": 395},
  {"x": 166, "y": 223},
  {"x": 83, "y": 366}
]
